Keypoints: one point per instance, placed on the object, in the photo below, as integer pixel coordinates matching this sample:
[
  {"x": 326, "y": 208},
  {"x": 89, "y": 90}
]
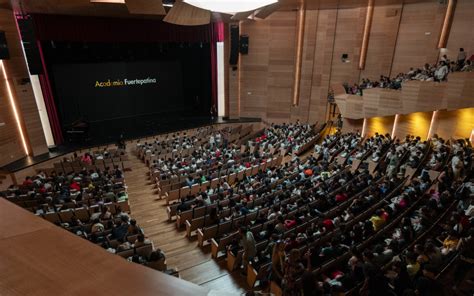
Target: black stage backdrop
[
  {"x": 129, "y": 89},
  {"x": 113, "y": 91}
]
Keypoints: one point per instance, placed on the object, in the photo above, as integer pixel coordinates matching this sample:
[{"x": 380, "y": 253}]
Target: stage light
[
  {"x": 14, "y": 108},
  {"x": 364, "y": 126},
  {"x": 433, "y": 119},
  {"x": 230, "y": 6},
  {"x": 395, "y": 125}
]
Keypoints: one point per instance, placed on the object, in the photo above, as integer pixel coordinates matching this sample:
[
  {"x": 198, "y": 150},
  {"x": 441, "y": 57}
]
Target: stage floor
[{"x": 169, "y": 126}]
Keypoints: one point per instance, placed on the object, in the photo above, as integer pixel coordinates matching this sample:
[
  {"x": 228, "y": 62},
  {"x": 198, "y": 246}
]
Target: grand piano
[{"x": 78, "y": 131}]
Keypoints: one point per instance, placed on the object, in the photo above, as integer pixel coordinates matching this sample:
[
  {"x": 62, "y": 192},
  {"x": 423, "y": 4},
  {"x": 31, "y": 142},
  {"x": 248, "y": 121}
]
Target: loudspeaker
[
  {"x": 28, "y": 39},
  {"x": 244, "y": 44},
  {"x": 4, "y": 53},
  {"x": 234, "y": 45}
]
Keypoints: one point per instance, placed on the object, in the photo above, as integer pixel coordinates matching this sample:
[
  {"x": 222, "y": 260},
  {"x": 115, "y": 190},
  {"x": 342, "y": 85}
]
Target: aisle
[{"x": 194, "y": 264}]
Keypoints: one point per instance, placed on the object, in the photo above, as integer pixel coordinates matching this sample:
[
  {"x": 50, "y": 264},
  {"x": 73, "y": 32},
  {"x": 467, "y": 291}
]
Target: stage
[{"x": 149, "y": 128}]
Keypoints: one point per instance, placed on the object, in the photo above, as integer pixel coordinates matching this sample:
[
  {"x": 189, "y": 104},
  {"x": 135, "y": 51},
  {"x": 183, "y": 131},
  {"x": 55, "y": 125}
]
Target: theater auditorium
[{"x": 237, "y": 147}]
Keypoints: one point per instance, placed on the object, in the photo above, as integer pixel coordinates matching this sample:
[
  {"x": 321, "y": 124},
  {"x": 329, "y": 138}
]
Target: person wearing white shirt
[
  {"x": 457, "y": 165},
  {"x": 441, "y": 72}
]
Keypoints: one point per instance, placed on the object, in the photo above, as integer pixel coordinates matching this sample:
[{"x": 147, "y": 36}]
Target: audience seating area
[
  {"x": 312, "y": 216},
  {"x": 321, "y": 213},
  {"x": 87, "y": 196},
  {"x": 334, "y": 221}
]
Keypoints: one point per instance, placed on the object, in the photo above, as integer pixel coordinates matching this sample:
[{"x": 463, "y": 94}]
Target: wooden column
[
  {"x": 365, "y": 39},
  {"x": 448, "y": 20},
  {"x": 300, "y": 22}
]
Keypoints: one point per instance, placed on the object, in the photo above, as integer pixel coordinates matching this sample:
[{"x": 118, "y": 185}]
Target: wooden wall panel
[
  {"x": 323, "y": 56},
  {"x": 29, "y": 109},
  {"x": 403, "y": 34},
  {"x": 418, "y": 35},
  {"x": 348, "y": 40},
  {"x": 301, "y": 112},
  {"x": 352, "y": 125},
  {"x": 382, "y": 40},
  {"x": 11, "y": 147},
  {"x": 267, "y": 72},
  {"x": 381, "y": 125},
  {"x": 416, "y": 124},
  {"x": 456, "y": 124},
  {"x": 281, "y": 65},
  {"x": 255, "y": 70},
  {"x": 17, "y": 70}
]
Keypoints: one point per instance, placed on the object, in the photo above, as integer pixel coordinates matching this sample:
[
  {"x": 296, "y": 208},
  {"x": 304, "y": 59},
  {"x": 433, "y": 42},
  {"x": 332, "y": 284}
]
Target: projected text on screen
[{"x": 124, "y": 82}]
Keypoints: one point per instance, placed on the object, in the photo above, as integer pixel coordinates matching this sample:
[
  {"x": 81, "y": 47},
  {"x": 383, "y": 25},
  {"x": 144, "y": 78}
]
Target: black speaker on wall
[
  {"x": 234, "y": 45},
  {"x": 4, "y": 53},
  {"x": 244, "y": 44},
  {"x": 28, "y": 39}
]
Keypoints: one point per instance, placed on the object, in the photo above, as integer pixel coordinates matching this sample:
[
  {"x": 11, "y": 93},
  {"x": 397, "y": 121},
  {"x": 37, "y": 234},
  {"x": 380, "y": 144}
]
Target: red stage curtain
[{"x": 56, "y": 129}]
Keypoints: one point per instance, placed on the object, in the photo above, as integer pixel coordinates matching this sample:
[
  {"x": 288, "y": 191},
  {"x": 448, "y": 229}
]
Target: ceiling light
[{"x": 230, "y": 6}]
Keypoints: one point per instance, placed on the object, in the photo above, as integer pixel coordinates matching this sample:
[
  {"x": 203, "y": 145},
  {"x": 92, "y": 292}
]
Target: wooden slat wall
[
  {"x": 457, "y": 124},
  {"x": 323, "y": 56},
  {"x": 267, "y": 72},
  {"x": 352, "y": 125},
  {"x": 383, "y": 37},
  {"x": 11, "y": 147},
  {"x": 281, "y": 65},
  {"x": 397, "y": 42},
  {"x": 255, "y": 70},
  {"x": 418, "y": 35},
  {"x": 348, "y": 40},
  {"x": 301, "y": 112},
  {"x": 416, "y": 124},
  {"x": 10, "y": 142},
  {"x": 381, "y": 125},
  {"x": 29, "y": 109}
]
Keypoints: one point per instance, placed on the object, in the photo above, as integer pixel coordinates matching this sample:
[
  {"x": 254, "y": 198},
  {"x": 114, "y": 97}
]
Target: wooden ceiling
[{"x": 86, "y": 8}]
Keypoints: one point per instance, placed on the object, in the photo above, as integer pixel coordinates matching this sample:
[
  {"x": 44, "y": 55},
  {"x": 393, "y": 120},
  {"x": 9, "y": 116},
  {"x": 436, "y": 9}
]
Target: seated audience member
[
  {"x": 141, "y": 241},
  {"x": 157, "y": 260},
  {"x": 461, "y": 58},
  {"x": 133, "y": 228}
]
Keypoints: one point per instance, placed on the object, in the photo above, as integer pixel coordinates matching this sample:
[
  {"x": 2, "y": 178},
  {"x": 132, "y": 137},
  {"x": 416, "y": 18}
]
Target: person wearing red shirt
[
  {"x": 341, "y": 197},
  {"x": 328, "y": 224},
  {"x": 28, "y": 181},
  {"x": 74, "y": 185}
]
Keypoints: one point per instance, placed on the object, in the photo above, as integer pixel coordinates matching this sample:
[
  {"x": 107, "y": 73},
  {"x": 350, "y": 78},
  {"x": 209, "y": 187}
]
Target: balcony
[{"x": 415, "y": 96}]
